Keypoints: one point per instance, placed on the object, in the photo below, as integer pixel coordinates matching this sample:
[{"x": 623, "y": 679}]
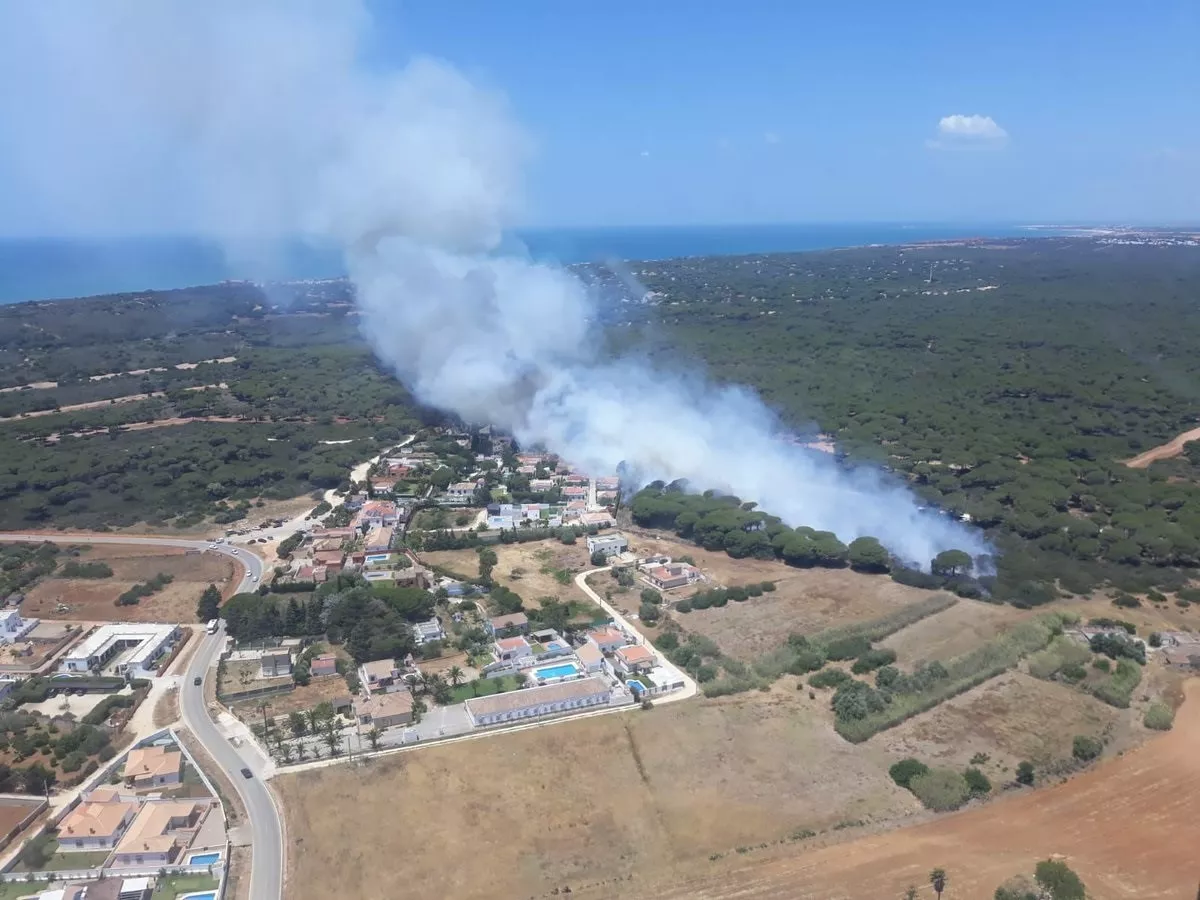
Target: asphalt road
[{"x": 266, "y": 833}]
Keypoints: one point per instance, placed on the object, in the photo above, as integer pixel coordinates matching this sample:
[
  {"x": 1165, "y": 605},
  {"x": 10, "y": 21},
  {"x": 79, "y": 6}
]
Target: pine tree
[{"x": 209, "y": 607}]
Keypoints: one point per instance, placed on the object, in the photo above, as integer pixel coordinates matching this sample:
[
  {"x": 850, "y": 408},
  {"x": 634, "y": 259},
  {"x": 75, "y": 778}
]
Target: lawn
[
  {"x": 60, "y": 861},
  {"x": 13, "y": 890},
  {"x": 177, "y": 885},
  {"x": 486, "y": 686}
]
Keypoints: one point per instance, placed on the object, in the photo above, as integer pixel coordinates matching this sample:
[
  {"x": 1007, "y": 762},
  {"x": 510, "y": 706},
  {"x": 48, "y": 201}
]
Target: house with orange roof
[
  {"x": 325, "y": 664},
  {"x": 160, "y": 832},
  {"x": 95, "y": 824},
  {"x": 153, "y": 767},
  {"x": 633, "y": 660},
  {"x": 512, "y": 649},
  {"x": 608, "y": 638}
]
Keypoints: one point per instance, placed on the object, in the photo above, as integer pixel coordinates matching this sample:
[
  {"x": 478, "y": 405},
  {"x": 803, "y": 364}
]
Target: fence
[
  {"x": 37, "y": 805},
  {"x": 129, "y": 872}
]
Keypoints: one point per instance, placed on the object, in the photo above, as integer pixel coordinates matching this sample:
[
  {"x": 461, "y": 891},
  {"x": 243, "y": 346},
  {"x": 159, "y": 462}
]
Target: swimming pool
[
  {"x": 377, "y": 557},
  {"x": 204, "y": 895},
  {"x": 554, "y": 673},
  {"x": 203, "y": 859}
]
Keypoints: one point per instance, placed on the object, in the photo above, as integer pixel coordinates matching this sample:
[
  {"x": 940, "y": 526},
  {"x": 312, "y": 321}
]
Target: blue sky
[{"x": 686, "y": 111}]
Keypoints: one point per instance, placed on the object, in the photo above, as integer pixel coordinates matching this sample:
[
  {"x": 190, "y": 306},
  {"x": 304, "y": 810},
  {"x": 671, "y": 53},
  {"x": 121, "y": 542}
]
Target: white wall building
[
  {"x": 135, "y": 647},
  {"x": 13, "y": 628},
  {"x": 608, "y": 544},
  {"x": 539, "y": 701}
]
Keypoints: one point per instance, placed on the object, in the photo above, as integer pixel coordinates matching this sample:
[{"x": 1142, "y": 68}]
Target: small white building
[
  {"x": 607, "y": 544},
  {"x": 13, "y": 628},
  {"x": 427, "y": 632},
  {"x": 539, "y": 701}
]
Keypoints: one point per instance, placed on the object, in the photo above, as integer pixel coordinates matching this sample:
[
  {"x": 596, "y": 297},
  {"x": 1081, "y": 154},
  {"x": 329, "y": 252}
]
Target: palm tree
[
  {"x": 456, "y": 676},
  {"x": 314, "y": 720},
  {"x": 911, "y": 893},
  {"x": 285, "y": 753},
  {"x": 316, "y": 750},
  {"x": 301, "y": 751},
  {"x": 419, "y": 709},
  {"x": 373, "y": 737},
  {"x": 937, "y": 878},
  {"x": 332, "y": 739}
]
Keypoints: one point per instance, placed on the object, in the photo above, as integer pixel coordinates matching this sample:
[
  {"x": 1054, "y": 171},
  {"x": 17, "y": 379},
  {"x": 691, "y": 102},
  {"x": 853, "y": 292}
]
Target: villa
[
  {"x": 95, "y": 824},
  {"x": 538, "y": 701},
  {"x": 512, "y": 649},
  {"x": 633, "y": 660},
  {"x": 607, "y": 639},
  {"x": 325, "y": 664},
  {"x": 154, "y": 766},
  {"x": 384, "y": 710},
  {"x": 161, "y": 830}
]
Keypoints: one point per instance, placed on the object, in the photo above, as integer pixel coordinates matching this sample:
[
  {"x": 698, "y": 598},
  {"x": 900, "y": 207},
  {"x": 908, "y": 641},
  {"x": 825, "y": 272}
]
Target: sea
[{"x": 46, "y": 268}]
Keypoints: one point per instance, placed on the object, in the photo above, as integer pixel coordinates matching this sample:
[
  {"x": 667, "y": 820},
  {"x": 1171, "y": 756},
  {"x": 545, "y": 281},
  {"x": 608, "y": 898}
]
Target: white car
[
  {"x": 235, "y": 551},
  {"x": 254, "y": 578}
]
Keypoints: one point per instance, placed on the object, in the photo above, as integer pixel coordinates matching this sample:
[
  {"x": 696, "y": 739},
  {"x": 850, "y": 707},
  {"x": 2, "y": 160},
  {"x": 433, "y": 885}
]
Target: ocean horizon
[{"x": 54, "y": 268}]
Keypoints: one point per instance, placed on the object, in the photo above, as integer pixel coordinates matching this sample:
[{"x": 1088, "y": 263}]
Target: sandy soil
[
  {"x": 93, "y": 599},
  {"x": 1128, "y": 827},
  {"x": 300, "y": 699},
  {"x": 1173, "y": 447}
]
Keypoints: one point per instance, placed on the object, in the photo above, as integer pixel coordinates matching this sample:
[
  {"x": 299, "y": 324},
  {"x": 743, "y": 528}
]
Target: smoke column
[{"x": 251, "y": 120}]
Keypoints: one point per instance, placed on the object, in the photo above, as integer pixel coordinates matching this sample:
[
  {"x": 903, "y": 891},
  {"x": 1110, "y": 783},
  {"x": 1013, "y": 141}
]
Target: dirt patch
[
  {"x": 953, "y": 631},
  {"x": 166, "y": 710},
  {"x": 300, "y": 699},
  {"x": 599, "y": 802},
  {"x": 1089, "y": 820},
  {"x": 530, "y": 570},
  {"x": 94, "y": 599},
  {"x": 1010, "y": 718},
  {"x": 1173, "y": 447}
]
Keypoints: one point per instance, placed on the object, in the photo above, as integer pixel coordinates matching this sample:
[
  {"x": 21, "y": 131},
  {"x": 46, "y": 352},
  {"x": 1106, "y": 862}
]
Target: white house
[
  {"x": 511, "y": 649},
  {"x": 607, "y": 544},
  {"x": 96, "y": 824},
  {"x": 14, "y": 628},
  {"x": 591, "y": 657},
  {"x": 140, "y": 644},
  {"x": 539, "y": 701},
  {"x": 633, "y": 660},
  {"x": 426, "y": 632},
  {"x": 608, "y": 638}
]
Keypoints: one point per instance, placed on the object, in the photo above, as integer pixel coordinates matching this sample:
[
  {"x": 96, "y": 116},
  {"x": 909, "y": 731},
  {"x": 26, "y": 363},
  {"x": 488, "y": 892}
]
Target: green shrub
[
  {"x": 1159, "y": 717},
  {"x": 940, "y": 789},
  {"x": 1117, "y": 689},
  {"x": 1101, "y": 664},
  {"x": 683, "y": 606},
  {"x": 872, "y": 660},
  {"x": 1085, "y": 748},
  {"x": 906, "y": 770},
  {"x": 1073, "y": 672},
  {"x": 1025, "y": 772},
  {"x": 847, "y": 647},
  {"x": 768, "y": 586},
  {"x": 977, "y": 783},
  {"x": 829, "y": 678},
  {"x": 1058, "y": 881}
]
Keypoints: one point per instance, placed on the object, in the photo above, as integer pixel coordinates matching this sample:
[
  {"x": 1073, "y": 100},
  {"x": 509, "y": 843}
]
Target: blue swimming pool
[
  {"x": 377, "y": 557},
  {"x": 562, "y": 670},
  {"x": 203, "y": 859},
  {"x": 205, "y": 895}
]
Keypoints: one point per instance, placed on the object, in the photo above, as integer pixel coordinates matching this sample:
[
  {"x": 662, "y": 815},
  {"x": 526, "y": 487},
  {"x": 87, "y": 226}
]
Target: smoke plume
[{"x": 245, "y": 120}]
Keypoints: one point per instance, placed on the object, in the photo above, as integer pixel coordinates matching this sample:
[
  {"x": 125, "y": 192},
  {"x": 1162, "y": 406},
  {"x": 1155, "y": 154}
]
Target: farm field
[
  {"x": 1086, "y": 819},
  {"x": 604, "y": 806},
  {"x": 519, "y": 567},
  {"x": 93, "y": 599}
]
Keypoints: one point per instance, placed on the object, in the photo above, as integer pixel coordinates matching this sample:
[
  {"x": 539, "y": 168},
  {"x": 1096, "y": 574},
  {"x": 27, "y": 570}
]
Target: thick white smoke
[{"x": 242, "y": 120}]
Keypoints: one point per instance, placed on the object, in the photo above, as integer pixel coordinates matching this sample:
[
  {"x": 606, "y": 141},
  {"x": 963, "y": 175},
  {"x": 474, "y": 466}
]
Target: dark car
[
  {"x": 196, "y": 681},
  {"x": 246, "y": 773}
]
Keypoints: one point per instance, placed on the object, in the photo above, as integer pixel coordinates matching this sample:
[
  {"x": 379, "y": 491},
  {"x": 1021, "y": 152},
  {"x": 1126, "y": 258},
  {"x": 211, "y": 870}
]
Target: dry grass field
[
  {"x": 527, "y": 569},
  {"x": 1007, "y": 719},
  {"x": 93, "y": 599},
  {"x": 954, "y": 631},
  {"x": 602, "y": 805},
  {"x": 299, "y": 699}
]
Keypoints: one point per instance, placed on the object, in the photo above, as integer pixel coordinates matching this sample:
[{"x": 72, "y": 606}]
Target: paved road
[{"x": 266, "y": 877}]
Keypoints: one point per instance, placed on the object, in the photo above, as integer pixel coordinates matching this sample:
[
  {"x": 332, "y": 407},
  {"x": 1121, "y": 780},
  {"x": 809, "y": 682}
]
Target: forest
[{"x": 1006, "y": 381}]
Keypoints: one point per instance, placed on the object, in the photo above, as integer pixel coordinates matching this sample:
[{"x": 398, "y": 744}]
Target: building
[
  {"x": 274, "y": 663},
  {"x": 591, "y": 658},
  {"x": 14, "y": 628},
  {"x": 541, "y": 485},
  {"x": 460, "y": 494},
  {"x": 384, "y": 710},
  {"x": 331, "y": 560},
  {"x": 512, "y": 649},
  {"x": 633, "y": 660},
  {"x": 325, "y": 664},
  {"x": 161, "y": 830},
  {"x": 1184, "y": 656},
  {"x": 539, "y": 701},
  {"x": 7, "y": 686},
  {"x": 427, "y": 632},
  {"x": 95, "y": 825},
  {"x": 507, "y": 626},
  {"x": 673, "y": 575},
  {"x": 379, "y": 539},
  {"x": 380, "y": 675},
  {"x": 153, "y": 766},
  {"x": 607, "y": 544},
  {"x": 574, "y": 493},
  {"x": 598, "y": 519},
  {"x": 608, "y": 638},
  {"x": 135, "y": 647},
  {"x": 378, "y": 513}
]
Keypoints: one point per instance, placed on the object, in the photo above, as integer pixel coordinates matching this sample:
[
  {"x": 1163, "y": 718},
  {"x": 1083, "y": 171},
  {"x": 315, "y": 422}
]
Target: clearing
[
  {"x": 529, "y": 569},
  {"x": 1086, "y": 819},
  {"x": 954, "y": 631},
  {"x": 299, "y": 699},
  {"x": 1171, "y": 448},
  {"x": 93, "y": 599}
]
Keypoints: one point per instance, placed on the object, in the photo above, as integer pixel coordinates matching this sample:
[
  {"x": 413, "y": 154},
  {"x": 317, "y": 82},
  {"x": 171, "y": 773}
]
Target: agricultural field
[
  {"x": 94, "y": 599},
  {"x": 954, "y": 631}
]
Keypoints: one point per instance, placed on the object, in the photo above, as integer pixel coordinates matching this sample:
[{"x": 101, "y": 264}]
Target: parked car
[
  {"x": 246, "y": 773},
  {"x": 197, "y": 681}
]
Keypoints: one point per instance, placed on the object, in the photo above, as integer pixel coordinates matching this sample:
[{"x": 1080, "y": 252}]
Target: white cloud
[
  {"x": 645, "y": 153},
  {"x": 959, "y": 131}
]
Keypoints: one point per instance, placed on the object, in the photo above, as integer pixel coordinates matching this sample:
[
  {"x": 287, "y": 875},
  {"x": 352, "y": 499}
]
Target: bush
[
  {"x": 906, "y": 770},
  {"x": 1073, "y": 672},
  {"x": 683, "y": 606},
  {"x": 1159, "y": 717},
  {"x": 1101, "y": 664},
  {"x": 648, "y": 613},
  {"x": 806, "y": 661},
  {"x": 830, "y": 678},
  {"x": 1058, "y": 881},
  {"x": 1118, "y": 646},
  {"x": 940, "y": 789},
  {"x": 667, "y": 641},
  {"x": 848, "y": 648},
  {"x": 872, "y": 660},
  {"x": 1085, "y": 749},
  {"x": 74, "y": 569},
  {"x": 1025, "y": 773},
  {"x": 977, "y": 783},
  {"x": 768, "y": 586}
]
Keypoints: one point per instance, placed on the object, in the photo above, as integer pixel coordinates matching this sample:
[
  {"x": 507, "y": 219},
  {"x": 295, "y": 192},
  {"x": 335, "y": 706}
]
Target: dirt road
[
  {"x": 1128, "y": 827},
  {"x": 1173, "y": 447}
]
